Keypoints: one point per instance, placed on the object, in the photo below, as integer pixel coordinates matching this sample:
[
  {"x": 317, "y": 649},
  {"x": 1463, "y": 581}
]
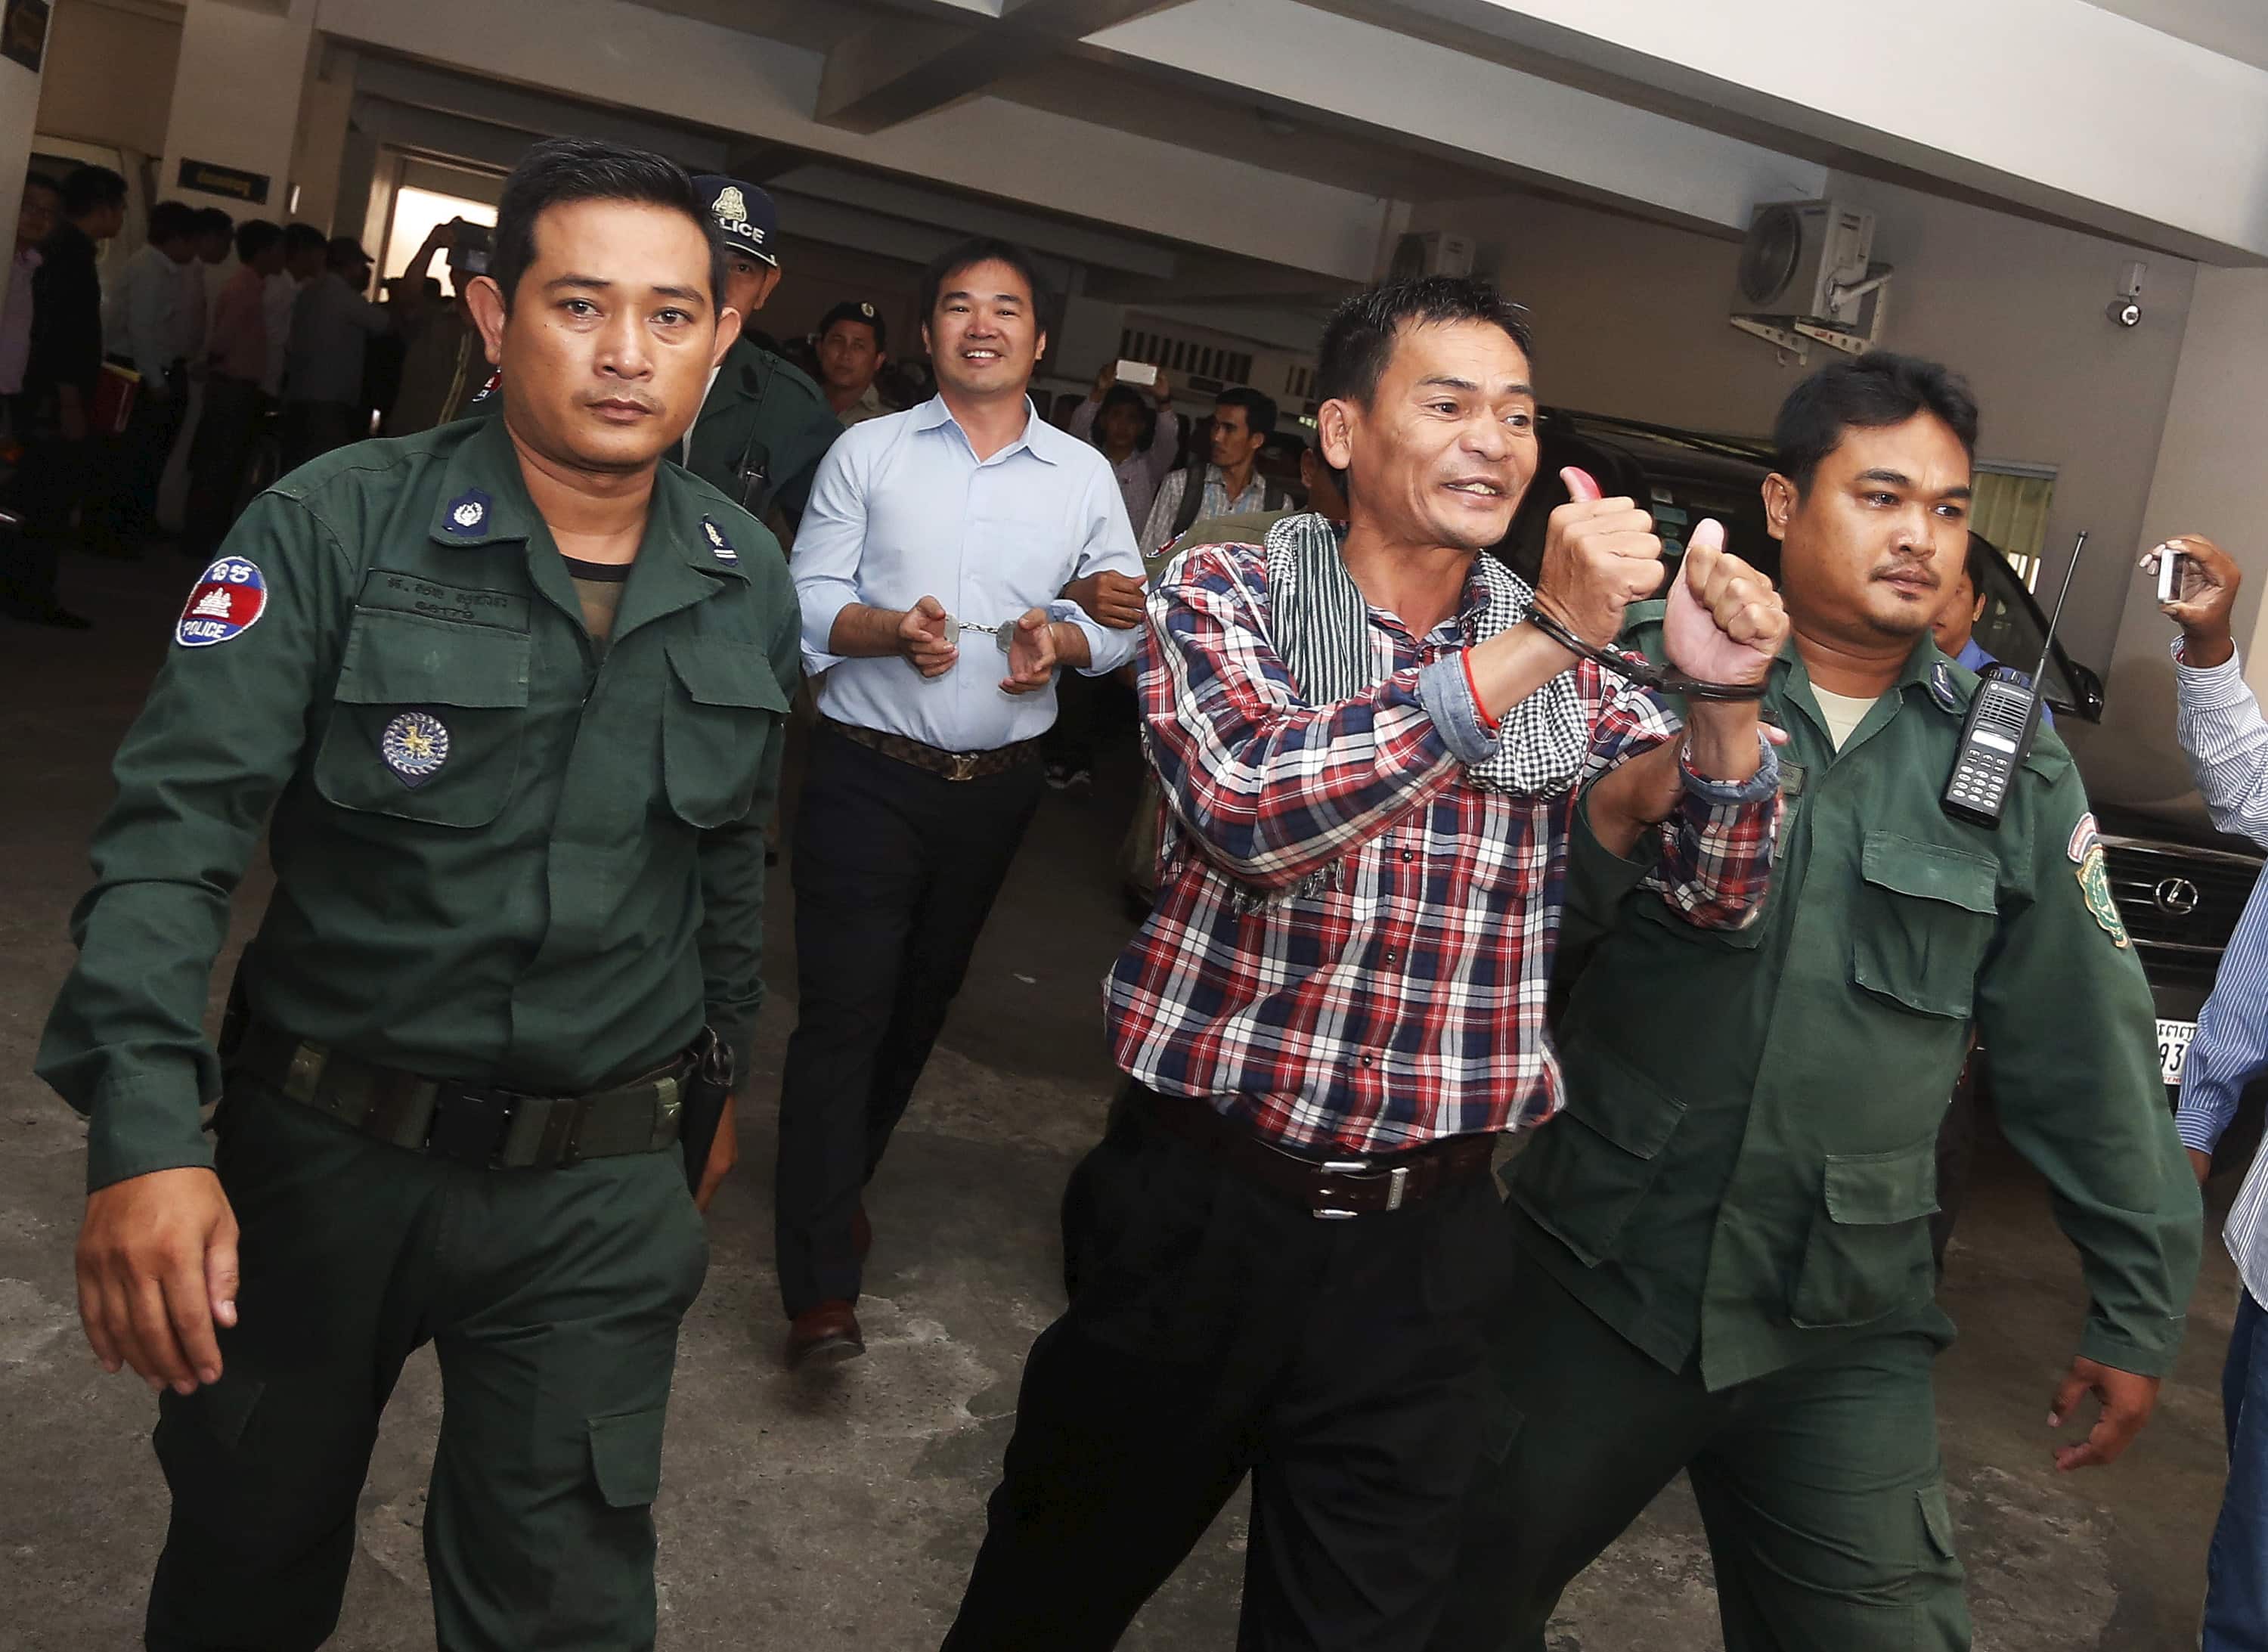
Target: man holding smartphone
[{"x": 2226, "y": 741}]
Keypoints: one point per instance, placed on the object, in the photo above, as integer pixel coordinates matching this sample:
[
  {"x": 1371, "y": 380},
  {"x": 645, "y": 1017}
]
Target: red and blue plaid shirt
[{"x": 1352, "y": 945}]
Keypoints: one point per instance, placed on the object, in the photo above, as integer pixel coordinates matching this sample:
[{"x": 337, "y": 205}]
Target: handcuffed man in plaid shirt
[{"x": 1374, "y": 752}]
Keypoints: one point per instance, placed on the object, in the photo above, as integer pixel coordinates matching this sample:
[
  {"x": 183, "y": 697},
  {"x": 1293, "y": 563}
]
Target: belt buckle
[
  {"x": 470, "y": 1126},
  {"x": 964, "y": 766},
  {"x": 1397, "y": 1181}
]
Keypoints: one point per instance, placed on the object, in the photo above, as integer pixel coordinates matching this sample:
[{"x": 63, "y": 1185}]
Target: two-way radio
[{"x": 2002, "y": 721}]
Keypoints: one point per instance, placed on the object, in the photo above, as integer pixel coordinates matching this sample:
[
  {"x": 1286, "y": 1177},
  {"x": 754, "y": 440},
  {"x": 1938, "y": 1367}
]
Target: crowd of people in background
[{"x": 252, "y": 347}]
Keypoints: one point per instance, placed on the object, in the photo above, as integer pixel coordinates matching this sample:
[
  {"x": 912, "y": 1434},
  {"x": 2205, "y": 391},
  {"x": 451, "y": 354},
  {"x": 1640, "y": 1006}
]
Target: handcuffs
[
  {"x": 1642, "y": 671},
  {"x": 1003, "y": 633}
]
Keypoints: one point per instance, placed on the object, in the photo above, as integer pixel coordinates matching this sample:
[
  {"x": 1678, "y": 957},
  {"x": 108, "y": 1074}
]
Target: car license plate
[{"x": 2174, "y": 1048}]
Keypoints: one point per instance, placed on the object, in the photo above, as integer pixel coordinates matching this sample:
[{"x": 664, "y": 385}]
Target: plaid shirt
[{"x": 1352, "y": 945}]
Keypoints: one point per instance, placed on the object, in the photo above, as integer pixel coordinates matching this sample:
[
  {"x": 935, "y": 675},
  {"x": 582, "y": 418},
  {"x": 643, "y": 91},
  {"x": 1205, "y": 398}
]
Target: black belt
[
  {"x": 482, "y": 1125},
  {"x": 1328, "y": 1189}
]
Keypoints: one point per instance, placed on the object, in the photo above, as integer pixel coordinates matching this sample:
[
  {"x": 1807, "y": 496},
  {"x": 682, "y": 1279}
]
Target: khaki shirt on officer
[
  {"x": 758, "y": 399},
  {"x": 502, "y": 852},
  {"x": 1748, "y": 1158}
]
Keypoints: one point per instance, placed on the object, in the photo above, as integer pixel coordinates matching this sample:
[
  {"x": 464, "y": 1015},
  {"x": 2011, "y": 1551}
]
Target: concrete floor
[{"x": 844, "y": 1514}]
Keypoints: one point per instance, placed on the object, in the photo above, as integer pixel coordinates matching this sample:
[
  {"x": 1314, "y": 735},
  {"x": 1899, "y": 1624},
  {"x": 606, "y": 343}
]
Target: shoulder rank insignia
[
  {"x": 718, "y": 542},
  {"x": 1941, "y": 689},
  {"x": 468, "y": 512},
  {"x": 2094, "y": 883}
]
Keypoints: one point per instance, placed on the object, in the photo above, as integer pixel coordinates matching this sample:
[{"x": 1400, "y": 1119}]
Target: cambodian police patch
[
  {"x": 415, "y": 746},
  {"x": 2095, "y": 881},
  {"x": 718, "y": 542},
  {"x": 468, "y": 512},
  {"x": 1940, "y": 687},
  {"x": 228, "y": 601},
  {"x": 2084, "y": 837}
]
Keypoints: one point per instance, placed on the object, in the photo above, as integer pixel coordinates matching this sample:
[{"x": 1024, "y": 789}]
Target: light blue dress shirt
[
  {"x": 2222, "y": 732},
  {"x": 1976, "y": 658},
  {"x": 901, "y": 509}
]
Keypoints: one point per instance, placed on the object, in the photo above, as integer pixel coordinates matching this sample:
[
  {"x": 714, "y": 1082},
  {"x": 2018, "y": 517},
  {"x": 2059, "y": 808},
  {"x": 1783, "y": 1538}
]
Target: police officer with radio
[
  {"x": 1723, "y": 1249},
  {"x": 765, "y": 425},
  {"x": 508, "y": 696}
]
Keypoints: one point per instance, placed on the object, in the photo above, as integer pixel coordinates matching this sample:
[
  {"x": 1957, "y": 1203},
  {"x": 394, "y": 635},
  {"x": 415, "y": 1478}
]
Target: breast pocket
[
  {"x": 428, "y": 719},
  {"x": 1924, "y": 916},
  {"x": 723, "y": 715}
]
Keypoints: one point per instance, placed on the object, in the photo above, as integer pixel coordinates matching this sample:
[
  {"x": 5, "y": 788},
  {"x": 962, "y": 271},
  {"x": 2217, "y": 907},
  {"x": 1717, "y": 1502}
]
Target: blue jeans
[{"x": 2236, "y": 1571}]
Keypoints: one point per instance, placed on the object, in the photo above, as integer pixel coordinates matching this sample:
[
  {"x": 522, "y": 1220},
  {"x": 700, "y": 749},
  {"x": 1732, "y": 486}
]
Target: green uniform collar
[
  {"x": 1941, "y": 680},
  {"x": 484, "y": 500}
]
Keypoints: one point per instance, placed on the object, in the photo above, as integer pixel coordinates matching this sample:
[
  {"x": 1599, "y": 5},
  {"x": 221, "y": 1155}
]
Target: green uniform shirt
[
  {"x": 498, "y": 856},
  {"x": 1748, "y": 1158},
  {"x": 757, "y": 398}
]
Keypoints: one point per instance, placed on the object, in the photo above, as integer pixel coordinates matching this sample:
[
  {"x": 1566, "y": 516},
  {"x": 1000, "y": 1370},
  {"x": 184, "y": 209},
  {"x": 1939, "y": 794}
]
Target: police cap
[
  {"x": 742, "y": 216},
  {"x": 856, "y": 310}
]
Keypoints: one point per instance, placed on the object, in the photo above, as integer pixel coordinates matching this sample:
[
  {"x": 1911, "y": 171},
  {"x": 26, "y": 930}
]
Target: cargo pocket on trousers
[
  {"x": 222, "y": 1410},
  {"x": 626, "y": 1456},
  {"x": 1868, "y": 1253},
  {"x": 1587, "y": 1169},
  {"x": 1936, "y": 1520}
]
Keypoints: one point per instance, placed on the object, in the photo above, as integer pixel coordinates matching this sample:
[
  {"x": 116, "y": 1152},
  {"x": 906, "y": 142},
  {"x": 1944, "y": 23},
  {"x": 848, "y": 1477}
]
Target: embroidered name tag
[{"x": 405, "y": 594}]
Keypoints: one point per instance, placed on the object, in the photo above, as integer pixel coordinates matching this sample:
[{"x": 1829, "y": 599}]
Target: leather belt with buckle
[
  {"x": 951, "y": 765},
  {"x": 1330, "y": 1189}
]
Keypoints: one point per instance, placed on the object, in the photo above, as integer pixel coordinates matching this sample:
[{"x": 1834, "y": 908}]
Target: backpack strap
[{"x": 1193, "y": 480}]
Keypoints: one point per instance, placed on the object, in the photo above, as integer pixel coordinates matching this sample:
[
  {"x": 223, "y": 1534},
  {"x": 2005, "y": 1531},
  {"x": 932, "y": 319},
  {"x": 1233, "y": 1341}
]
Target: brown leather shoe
[
  {"x": 826, "y": 1335},
  {"x": 862, "y": 1234}
]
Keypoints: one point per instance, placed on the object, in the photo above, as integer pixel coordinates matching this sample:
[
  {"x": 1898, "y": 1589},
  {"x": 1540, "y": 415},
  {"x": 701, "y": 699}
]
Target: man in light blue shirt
[
  {"x": 1964, "y": 605},
  {"x": 2226, "y": 740},
  {"x": 928, "y": 567}
]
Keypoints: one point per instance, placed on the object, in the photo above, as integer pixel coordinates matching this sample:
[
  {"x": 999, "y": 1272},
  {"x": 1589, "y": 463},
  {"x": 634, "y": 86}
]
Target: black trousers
[
  {"x": 895, "y": 871},
  {"x": 56, "y": 477},
  {"x": 128, "y": 512},
  {"x": 1217, "y": 1329},
  {"x": 220, "y": 452}
]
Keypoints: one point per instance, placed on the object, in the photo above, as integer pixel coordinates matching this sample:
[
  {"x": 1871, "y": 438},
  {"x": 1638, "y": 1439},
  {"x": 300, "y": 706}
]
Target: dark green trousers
[
  {"x": 1820, "y": 1487},
  {"x": 553, "y": 1298}
]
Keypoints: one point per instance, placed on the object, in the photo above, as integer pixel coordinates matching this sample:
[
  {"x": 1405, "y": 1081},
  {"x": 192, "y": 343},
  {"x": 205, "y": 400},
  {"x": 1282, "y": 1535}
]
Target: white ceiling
[{"x": 2234, "y": 28}]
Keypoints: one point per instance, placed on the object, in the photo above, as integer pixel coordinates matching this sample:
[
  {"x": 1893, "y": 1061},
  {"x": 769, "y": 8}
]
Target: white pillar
[
  {"x": 236, "y": 101},
  {"x": 20, "y": 117},
  {"x": 2208, "y": 480}
]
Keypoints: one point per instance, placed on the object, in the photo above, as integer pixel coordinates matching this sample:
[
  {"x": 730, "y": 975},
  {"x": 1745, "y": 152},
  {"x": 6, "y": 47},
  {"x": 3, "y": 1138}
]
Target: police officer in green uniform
[
  {"x": 509, "y": 695},
  {"x": 1724, "y": 1256},
  {"x": 765, "y": 425}
]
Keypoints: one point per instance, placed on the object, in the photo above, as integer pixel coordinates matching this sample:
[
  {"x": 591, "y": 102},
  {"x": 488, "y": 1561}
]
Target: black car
[{"x": 2180, "y": 888}]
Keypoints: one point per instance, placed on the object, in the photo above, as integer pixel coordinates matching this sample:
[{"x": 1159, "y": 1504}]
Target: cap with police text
[{"x": 742, "y": 215}]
